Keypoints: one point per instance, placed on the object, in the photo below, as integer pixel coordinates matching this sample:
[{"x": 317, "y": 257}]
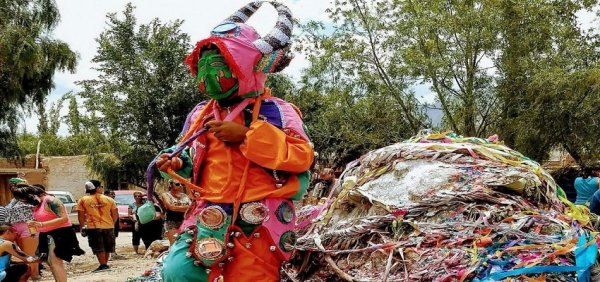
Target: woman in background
[
  {"x": 151, "y": 231},
  {"x": 176, "y": 202},
  {"x": 138, "y": 198},
  {"x": 57, "y": 237},
  {"x": 18, "y": 213}
]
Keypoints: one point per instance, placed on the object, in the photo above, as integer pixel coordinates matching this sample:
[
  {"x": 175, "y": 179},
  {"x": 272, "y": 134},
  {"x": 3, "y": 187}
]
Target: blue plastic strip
[{"x": 584, "y": 258}]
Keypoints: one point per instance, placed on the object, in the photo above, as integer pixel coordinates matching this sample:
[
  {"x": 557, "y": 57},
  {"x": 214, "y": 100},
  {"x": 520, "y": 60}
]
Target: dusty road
[{"x": 120, "y": 269}]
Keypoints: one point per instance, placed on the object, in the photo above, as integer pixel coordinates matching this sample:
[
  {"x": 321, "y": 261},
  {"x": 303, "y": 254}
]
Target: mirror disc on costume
[
  {"x": 254, "y": 213},
  {"x": 285, "y": 213},
  {"x": 212, "y": 217},
  {"x": 209, "y": 249},
  {"x": 227, "y": 29},
  {"x": 287, "y": 241}
]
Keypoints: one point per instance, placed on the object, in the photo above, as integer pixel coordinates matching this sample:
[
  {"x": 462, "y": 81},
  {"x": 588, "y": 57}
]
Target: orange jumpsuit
[{"x": 241, "y": 173}]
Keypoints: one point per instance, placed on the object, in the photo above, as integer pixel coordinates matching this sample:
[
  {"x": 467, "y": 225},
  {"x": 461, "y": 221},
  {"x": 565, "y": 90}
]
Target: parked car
[
  {"x": 70, "y": 204},
  {"x": 124, "y": 198}
]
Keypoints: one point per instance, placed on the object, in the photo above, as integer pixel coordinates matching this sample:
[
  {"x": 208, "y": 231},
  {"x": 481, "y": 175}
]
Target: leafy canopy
[{"x": 29, "y": 57}]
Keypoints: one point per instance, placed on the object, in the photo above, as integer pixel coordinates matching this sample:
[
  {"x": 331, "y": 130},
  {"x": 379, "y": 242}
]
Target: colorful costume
[{"x": 240, "y": 226}]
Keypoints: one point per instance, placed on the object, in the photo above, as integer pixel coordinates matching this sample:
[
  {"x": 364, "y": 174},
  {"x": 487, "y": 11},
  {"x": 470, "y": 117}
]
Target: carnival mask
[{"x": 215, "y": 79}]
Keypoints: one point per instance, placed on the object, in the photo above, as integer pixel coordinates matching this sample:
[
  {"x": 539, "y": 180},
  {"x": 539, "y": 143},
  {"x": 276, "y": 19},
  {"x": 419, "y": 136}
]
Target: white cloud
[{"x": 82, "y": 21}]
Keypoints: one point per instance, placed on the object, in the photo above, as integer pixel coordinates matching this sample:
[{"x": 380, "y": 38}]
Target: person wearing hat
[
  {"x": 248, "y": 158},
  {"x": 97, "y": 216},
  {"x": 13, "y": 182}
]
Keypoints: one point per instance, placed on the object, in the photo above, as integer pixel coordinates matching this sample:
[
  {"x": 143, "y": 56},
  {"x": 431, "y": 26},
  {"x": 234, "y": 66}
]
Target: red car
[{"x": 124, "y": 199}]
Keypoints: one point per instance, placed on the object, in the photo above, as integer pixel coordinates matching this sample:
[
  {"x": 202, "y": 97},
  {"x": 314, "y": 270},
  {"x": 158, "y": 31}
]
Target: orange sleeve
[{"x": 269, "y": 147}]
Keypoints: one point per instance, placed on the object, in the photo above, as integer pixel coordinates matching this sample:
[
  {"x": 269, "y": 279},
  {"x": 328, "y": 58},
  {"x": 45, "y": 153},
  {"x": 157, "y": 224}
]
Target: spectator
[
  {"x": 138, "y": 198},
  {"x": 12, "y": 272},
  {"x": 57, "y": 237},
  {"x": 19, "y": 211},
  {"x": 98, "y": 214},
  {"x": 586, "y": 185},
  {"x": 151, "y": 231},
  {"x": 114, "y": 255},
  {"x": 175, "y": 203},
  {"x": 325, "y": 184},
  {"x": 111, "y": 194}
]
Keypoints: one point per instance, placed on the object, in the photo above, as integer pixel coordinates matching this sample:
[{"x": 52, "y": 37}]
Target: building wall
[
  {"x": 55, "y": 173},
  {"x": 23, "y": 168},
  {"x": 67, "y": 174}
]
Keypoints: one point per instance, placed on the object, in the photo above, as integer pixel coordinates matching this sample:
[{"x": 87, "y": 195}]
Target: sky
[{"x": 82, "y": 21}]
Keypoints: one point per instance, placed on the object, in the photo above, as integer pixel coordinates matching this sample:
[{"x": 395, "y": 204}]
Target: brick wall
[{"x": 67, "y": 174}]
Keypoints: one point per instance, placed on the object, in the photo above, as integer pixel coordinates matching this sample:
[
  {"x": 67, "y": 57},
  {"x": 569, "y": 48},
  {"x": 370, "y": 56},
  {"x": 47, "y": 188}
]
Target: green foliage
[
  {"x": 28, "y": 59},
  {"x": 355, "y": 96},
  {"x": 140, "y": 100},
  {"x": 55, "y": 145},
  {"x": 50, "y": 119},
  {"x": 74, "y": 117},
  {"x": 445, "y": 45},
  {"x": 493, "y": 66},
  {"x": 564, "y": 107},
  {"x": 547, "y": 73}
]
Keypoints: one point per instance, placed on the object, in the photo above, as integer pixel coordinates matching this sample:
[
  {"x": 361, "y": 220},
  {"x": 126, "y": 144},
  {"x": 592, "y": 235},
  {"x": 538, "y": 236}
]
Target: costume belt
[{"x": 209, "y": 228}]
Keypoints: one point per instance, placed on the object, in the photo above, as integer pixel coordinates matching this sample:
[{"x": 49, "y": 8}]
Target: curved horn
[
  {"x": 279, "y": 36},
  {"x": 242, "y": 15}
]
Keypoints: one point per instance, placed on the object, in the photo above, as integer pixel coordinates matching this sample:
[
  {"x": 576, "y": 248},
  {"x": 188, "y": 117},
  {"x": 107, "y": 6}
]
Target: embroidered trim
[
  {"x": 209, "y": 249},
  {"x": 254, "y": 212},
  {"x": 212, "y": 217}
]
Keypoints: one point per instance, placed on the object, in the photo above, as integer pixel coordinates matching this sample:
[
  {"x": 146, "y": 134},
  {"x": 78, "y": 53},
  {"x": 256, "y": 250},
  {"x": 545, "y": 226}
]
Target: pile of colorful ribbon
[{"x": 440, "y": 207}]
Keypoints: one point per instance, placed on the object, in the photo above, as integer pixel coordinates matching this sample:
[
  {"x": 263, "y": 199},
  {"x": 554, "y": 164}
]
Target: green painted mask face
[{"x": 215, "y": 79}]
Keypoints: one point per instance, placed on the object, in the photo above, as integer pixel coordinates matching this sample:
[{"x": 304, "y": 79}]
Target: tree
[
  {"x": 548, "y": 71},
  {"x": 141, "y": 98},
  {"x": 74, "y": 117},
  {"x": 50, "y": 119},
  {"x": 445, "y": 44},
  {"x": 564, "y": 108},
  {"x": 353, "y": 96},
  {"x": 28, "y": 59},
  {"x": 484, "y": 61}
]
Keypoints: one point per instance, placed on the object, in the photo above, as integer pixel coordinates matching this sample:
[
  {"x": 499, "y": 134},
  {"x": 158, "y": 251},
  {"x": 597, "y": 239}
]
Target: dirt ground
[{"x": 130, "y": 265}]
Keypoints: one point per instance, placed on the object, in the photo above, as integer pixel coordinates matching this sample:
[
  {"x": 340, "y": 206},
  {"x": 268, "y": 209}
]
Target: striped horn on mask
[
  {"x": 275, "y": 46},
  {"x": 242, "y": 15},
  {"x": 279, "y": 36}
]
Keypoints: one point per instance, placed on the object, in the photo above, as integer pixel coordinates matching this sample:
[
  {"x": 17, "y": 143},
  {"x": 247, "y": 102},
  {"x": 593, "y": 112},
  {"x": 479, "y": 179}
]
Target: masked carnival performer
[{"x": 246, "y": 156}]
